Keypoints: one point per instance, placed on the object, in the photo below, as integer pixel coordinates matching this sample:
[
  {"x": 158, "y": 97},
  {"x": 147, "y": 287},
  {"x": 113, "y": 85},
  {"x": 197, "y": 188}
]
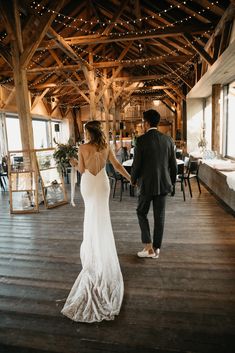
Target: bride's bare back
[{"x": 93, "y": 160}]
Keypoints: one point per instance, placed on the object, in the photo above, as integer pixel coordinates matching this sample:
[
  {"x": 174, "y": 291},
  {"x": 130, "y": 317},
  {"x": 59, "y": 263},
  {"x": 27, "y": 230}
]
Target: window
[
  {"x": 44, "y": 131},
  {"x": 56, "y": 132},
  {"x": 230, "y": 144},
  {"x": 13, "y": 134},
  {"x": 40, "y": 134}
]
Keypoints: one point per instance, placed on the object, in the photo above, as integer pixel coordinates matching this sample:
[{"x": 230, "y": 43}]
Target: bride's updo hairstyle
[{"x": 96, "y": 134}]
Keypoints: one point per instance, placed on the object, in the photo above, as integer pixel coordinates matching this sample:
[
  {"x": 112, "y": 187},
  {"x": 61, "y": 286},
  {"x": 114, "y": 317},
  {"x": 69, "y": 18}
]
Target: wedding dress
[{"x": 98, "y": 290}]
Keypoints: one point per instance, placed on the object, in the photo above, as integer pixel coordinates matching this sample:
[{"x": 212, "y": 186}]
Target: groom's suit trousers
[{"x": 159, "y": 202}]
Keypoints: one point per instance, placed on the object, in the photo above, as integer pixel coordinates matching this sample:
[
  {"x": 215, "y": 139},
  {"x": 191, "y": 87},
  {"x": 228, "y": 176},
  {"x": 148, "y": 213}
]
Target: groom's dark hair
[{"x": 152, "y": 117}]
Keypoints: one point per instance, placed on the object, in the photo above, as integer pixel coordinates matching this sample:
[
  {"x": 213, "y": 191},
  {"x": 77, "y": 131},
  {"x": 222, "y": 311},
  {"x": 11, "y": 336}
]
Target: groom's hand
[{"x": 133, "y": 183}]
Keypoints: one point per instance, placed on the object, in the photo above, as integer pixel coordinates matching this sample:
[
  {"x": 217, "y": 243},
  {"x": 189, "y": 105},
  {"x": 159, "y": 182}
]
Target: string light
[
  {"x": 3, "y": 36},
  {"x": 6, "y": 81},
  {"x": 40, "y": 8},
  {"x": 121, "y": 22},
  {"x": 37, "y": 6},
  {"x": 142, "y": 60}
]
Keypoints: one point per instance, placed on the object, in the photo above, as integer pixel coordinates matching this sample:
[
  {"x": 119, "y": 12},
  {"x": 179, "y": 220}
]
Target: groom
[{"x": 154, "y": 169}]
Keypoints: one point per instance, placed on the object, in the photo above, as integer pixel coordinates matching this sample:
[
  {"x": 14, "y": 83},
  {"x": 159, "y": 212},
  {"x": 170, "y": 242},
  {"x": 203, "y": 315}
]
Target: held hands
[{"x": 134, "y": 184}]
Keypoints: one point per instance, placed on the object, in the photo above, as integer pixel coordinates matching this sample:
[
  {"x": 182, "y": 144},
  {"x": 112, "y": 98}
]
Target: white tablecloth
[
  {"x": 220, "y": 164},
  {"x": 129, "y": 162},
  {"x": 231, "y": 180}
]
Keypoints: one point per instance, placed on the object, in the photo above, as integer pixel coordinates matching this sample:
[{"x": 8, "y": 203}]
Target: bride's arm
[
  {"x": 78, "y": 164},
  {"x": 117, "y": 165}
]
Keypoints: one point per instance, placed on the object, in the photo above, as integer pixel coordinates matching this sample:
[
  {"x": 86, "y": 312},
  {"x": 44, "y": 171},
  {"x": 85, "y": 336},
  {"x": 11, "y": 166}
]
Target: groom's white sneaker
[
  {"x": 146, "y": 253},
  {"x": 156, "y": 254}
]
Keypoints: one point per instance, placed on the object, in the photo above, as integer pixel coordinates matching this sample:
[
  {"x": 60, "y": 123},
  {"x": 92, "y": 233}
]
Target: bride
[{"x": 98, "y": 290}]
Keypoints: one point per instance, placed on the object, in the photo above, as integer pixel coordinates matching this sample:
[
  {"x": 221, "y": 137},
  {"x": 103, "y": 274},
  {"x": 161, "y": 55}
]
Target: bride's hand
[{"x": 73, "y": 162}]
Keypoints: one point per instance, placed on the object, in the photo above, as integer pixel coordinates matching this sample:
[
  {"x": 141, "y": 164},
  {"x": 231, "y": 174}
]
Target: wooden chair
[
  {"x": 115, "y": 177},
  {"x": 192, "y": 173},
  {"x": 3, "y": 175},
  {"x": 180, "y": 178},
  {"x": 132, "y": 188}
]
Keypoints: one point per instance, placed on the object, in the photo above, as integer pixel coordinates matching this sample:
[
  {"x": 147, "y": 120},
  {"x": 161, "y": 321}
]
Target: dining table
[{"x": 129, "y": 162}]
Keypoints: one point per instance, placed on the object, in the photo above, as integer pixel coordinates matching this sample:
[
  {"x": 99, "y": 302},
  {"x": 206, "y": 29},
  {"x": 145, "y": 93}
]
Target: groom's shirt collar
[{"x": 152, "y": 128}]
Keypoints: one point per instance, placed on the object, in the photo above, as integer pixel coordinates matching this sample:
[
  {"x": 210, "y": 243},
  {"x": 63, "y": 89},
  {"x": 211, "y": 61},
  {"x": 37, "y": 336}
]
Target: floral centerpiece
[
  {"x": 63, "y": 153},
  {"x": 202, "y": 143}
]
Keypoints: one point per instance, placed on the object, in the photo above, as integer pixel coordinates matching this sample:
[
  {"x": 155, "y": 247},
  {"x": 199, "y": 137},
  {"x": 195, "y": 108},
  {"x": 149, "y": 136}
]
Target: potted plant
[{"x": 63, "y": 153}]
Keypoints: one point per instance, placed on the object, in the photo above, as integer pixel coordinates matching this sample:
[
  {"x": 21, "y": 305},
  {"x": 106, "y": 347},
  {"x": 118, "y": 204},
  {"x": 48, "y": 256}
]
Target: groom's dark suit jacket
[{"x": 154, "y": 165}]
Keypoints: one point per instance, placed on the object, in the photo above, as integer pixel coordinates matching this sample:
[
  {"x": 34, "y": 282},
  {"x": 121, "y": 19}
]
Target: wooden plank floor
[{"x": 182, "y": 302}]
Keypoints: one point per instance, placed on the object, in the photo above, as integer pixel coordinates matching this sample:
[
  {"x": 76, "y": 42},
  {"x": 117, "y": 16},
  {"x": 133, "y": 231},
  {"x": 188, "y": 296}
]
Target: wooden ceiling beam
[
  {"x": 9, "y": 98},
  {"x": 35, "y": 31},
  {"x": 126, "y": 98},
  {"x": 39, "y": 98},
  {"x": 115, "y": 73},
  {"x": 192, "y": 41},
  {"x": 68, "y": 78},
  {"x": 146, "y": 88},
  {"x": 137, "y": 10},
  {"x": 6, "y": 13},
  {"x": 148, "y": 61},
  {"x": 63, "y": 45},
  {"x": 18, "y": 33},
  {"x": 158, "y": 33},
  {"x": 168, "y": 104},
  {"x": 190, "y": 12},
  {"x": 175, "y": 99},
  {"x": 4, "y": 53},
  {"x": 225, "y": 36},
  {"x": 169, "y": 45},
  {"x": 115, "y": 17},
  {"x": 216, "y": 9},
  {"x": 175, "y": 88},
  {"x": 228, "y": 15},
  {"x": 138, "y": 78},
  {"x": 179, "y": 76}
]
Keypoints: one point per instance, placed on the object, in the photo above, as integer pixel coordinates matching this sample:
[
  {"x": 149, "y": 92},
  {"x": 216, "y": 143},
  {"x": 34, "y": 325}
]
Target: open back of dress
[{"x": 98, "y": 291}]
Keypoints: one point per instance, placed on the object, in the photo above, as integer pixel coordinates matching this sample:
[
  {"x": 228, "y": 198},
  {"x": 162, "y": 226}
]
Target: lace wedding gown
[{"x": 98, "y": 290}]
